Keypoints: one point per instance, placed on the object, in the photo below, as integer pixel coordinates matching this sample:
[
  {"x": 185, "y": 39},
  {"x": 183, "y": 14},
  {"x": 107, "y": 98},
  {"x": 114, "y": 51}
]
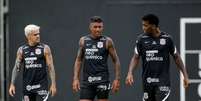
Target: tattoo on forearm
[
  {"x": 52, "y": 73},
  {"x": 51, "y": 67},
  {"x": 16, "y": 70},
  {"x": 77, "y": 65}
]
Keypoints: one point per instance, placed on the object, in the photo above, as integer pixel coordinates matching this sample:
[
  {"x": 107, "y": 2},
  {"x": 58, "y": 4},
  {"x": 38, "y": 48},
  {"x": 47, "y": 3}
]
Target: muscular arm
[
  {"x": 133, "y": 63},
  {"x": 115, "y": 58},
  {"x": 17, "y": 66},
  {"x": 49, "y": 61},
  {"x": 180, "y": 65},
  {"x": 78, "y": 61}
]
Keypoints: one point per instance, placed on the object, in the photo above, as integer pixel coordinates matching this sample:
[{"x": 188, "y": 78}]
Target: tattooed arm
[
  {"x": 115, "y": 59},
  {"x": 49, "y": 61},
  {"x": 77, "y": 66},
  {"x": 15, "y": 71}
]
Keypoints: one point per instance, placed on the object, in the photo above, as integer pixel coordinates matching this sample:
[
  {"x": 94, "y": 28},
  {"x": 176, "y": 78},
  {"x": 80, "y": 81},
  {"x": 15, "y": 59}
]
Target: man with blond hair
[{"x": 34, "y": 58}]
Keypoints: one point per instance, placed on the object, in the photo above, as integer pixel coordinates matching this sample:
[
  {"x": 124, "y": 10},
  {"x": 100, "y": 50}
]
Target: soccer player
[
  {"x": 155, "y": 47},
  {"x": 93, "y": 52},
  {"x": 34, "y": 58}
]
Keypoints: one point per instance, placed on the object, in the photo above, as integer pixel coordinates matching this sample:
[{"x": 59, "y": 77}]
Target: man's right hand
[
  {"x": 12, "y": 89},
  {"x": 76, "y": 85},
  {"x": 129, "y": 79}
]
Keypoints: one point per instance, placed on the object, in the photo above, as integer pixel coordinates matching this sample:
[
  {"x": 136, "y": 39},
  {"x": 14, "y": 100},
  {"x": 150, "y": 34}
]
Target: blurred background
[{"x": 63, "y": 22}]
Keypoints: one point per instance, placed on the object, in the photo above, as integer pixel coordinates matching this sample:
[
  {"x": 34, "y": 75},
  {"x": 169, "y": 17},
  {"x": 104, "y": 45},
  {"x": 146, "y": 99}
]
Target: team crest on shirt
[
  {"x": 162, "y": 41},
  {"x": 100, "y": 44},
  {"x": 38, "y": 51}
]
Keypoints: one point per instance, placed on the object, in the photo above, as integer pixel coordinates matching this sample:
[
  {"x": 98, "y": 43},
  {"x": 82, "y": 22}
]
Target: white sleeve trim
[
  {"x": 175, "y": 50},
  {"x": 136, "y": 51}
]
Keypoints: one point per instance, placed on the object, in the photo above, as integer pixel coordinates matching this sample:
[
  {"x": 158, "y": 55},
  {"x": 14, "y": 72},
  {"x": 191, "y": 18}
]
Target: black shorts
[
  {"x": 41, "y": 95},
  {"x": 99, "y": 90},
  {"x": 156, "y": 92}
]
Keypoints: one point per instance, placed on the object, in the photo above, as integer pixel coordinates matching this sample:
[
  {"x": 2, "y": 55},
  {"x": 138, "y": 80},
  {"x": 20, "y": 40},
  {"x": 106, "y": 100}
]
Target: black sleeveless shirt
[
  {"x": 95, "y": 68},
  {"x": 35, "y": 68}
]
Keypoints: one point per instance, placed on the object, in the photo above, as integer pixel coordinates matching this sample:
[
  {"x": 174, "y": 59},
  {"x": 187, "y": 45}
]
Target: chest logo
[
  {"x": 154, "y": 43},
  {"x": 100, "y": 44},
  {"x": 32, "y": 53},
  {"x": 38, "y": 51},
  {"x": 162, "y": 41}
]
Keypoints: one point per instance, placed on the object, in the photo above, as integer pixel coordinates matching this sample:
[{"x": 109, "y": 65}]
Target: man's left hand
[
  {"x": 115, "y": 86},
  {"x": 53, "y": 90}
]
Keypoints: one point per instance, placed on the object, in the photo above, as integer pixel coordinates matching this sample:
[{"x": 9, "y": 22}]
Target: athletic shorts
[
  {"x": 41, "y": 95},
  {"x": 99, "y": 90},
  {"x": 156, "y": 93}
]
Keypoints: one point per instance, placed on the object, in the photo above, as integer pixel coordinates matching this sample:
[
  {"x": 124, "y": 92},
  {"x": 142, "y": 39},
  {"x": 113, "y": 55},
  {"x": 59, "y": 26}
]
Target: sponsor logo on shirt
[
  {"x": 90, "y": 54},
  {"x": 31, "y": 87},
  {"x": 29, "y": 63},
  {"x": 92, "y": 79},
  {"x": 150, "y": 55},
  {"x": 151, "y": 80}
]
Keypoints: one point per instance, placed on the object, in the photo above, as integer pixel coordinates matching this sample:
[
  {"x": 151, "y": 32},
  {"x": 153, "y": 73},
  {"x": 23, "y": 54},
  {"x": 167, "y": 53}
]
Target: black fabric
[
  {"x": 95, "y": 60},
  {"x": 155, "y": 52},
  {"x": 35, "y": 69},
  {"x": 37, "y": 96},
  {"x": 99, "y": 90},
  {"x": 156, "y": 92}
]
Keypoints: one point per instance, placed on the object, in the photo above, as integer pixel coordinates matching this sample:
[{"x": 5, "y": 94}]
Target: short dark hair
[
  {"x": 151, "y": 18},
  {"x": 96, "y": 19}
]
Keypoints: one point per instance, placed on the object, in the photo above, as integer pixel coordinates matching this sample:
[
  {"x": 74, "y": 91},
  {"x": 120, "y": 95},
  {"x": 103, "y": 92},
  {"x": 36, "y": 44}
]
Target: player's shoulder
[
  {"x": 142, "y": 36},
  {"x": 86, "y": 37},
  {"x": 23, "y": 46},
  {"x": 42, "y": 45},
  {"x": 165, "y": 35},
  {"x": 107, "y": 38}
]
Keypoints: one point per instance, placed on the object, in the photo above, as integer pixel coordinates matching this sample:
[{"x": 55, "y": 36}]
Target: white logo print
[
  {"x": 154, "y": 42},
  {"x": 31, "y": 53},
  {"x": 88, "y": 44},
  {"x": 146, "y": 42},
  {"x": 164, "y": 88},
  {"x": 91, "y": 79},
  {"x": 38, "y": 51},
  {"x": 29, "y": 87},
  {"x": 42, "y": 92},
  {"x": 94, "y": 46},
  {"x": 26, "y": 52},
  {"x": 100, "y": 44},
  {"x": 162, "y": 41},
  {"x": 151, "y": 55},
  {"x": 150, "y": 80},
  {"x": 146, "y": 96}
]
